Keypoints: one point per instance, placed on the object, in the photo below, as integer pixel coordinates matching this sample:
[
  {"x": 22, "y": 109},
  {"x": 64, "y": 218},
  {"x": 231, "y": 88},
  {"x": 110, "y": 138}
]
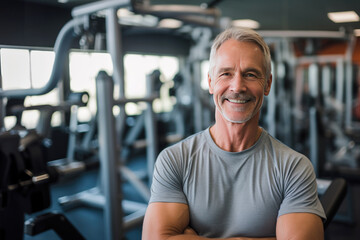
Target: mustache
[{"x": 239, "y": 96}]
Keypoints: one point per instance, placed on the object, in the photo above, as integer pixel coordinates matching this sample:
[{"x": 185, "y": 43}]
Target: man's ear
[
  {"x": 268, "y": 86},
  {"x": 210, "y": 85}
]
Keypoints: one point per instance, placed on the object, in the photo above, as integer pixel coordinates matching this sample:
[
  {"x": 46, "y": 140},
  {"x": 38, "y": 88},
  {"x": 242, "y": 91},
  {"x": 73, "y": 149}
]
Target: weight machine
[
  {"x": 319, "y": 102},
  {"x": 108, "y": 194},
  {"x": 110, "y": 127}
]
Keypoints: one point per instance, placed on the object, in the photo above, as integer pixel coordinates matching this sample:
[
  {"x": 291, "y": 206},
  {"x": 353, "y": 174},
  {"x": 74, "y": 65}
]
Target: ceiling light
[
  {"x": 357, "y": 32},
  {"x": 123, "y": 12},
  {"x": 341, "y": 17},
  {"x": 127, "y": 17},
  {"x": 246, "y": 23},
  {"x": 170, "y": 23}
]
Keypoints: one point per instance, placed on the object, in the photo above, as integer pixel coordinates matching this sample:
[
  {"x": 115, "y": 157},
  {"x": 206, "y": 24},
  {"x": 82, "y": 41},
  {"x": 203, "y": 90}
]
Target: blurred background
[{"x": 92, "y": 91}]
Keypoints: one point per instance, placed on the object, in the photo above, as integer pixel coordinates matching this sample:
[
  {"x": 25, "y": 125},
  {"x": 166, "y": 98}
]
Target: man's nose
[{"x": 238, "y": 83}]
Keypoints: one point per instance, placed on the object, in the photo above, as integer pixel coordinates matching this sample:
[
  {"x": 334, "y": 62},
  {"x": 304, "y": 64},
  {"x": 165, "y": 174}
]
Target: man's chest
[{"x": 227, "y": 201}]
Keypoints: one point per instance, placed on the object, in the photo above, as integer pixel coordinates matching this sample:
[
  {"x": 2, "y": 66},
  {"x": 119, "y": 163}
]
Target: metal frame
[
  {"x": 109, "y": 195},
  {"x": 61, "y": 49}
]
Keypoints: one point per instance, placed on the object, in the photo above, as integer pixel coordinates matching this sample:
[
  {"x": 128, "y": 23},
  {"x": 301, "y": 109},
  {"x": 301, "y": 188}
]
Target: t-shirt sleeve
[
  {"x": 167, "y": 179},
  {"x": 300, "y": 190}
]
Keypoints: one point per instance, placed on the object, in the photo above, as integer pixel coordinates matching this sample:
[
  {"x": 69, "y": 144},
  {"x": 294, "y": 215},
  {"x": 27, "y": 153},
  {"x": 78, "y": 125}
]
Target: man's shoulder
[
  {"x": 194, "y": 139},
  {"x": 188, "y": 144},
  {"x": 282, "y": 153},
  {"x": 281, "y": 147}
]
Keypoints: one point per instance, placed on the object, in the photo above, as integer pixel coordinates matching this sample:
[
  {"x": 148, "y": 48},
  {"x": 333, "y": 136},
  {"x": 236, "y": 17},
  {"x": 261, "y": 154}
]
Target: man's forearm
[
  {"x": 190, "y": 234},
  {"x": 194, "y": 237}
]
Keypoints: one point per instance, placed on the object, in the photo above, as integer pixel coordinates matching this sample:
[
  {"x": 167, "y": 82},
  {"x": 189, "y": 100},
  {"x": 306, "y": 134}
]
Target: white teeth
[{"x": 237, "y": 101}]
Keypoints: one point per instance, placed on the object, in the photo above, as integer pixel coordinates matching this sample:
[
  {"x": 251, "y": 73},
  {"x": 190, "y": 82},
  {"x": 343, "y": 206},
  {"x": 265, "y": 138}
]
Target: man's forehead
[
  {"x": 238, "y": 43},
  {"x": 234, "y": 52}
]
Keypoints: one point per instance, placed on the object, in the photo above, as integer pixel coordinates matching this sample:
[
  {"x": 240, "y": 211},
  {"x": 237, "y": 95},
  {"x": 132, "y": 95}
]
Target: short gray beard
[{"x": 222, "y": 112}]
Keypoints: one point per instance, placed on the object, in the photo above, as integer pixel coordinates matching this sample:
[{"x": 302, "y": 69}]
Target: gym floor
[{"x": 89, "y": 221}]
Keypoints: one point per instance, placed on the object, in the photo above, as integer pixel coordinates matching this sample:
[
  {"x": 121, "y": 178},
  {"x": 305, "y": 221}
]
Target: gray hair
[{"x": 241, "y": 35}]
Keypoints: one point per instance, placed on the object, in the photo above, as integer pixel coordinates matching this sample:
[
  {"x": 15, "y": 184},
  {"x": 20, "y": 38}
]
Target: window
[
  {"x": 84, "y": 67},
  {"x": 31, "y": 68},
  {"x": 137, "y": 67},
  {"x": 25, "y": 69}
]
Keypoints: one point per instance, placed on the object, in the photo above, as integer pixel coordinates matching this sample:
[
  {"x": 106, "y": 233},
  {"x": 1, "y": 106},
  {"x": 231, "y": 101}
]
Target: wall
[{"x": 31, "y": 24}]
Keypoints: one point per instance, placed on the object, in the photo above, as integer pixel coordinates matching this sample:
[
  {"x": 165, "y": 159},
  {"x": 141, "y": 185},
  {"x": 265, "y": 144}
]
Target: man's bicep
[
  {"x": 165, "y": 219},
  {"x": 299, "y": 226}
]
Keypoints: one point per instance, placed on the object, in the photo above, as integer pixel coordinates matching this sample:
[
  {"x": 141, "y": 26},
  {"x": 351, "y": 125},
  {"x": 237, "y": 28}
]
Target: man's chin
[{"x": 234, "y": 119}]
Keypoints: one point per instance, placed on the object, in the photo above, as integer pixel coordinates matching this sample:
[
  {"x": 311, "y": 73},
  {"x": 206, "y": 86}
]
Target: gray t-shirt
[{"x": 233, "y": 194}]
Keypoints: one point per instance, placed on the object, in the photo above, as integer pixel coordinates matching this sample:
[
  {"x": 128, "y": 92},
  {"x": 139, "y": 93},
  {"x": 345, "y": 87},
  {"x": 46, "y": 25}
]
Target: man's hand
[{"x": 190, "y": 231}]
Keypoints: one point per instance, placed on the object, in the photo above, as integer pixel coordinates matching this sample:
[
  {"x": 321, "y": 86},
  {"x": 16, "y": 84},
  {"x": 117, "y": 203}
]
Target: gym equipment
[
  {"x": 144, "y": 121},
  {"x": 112, "y": 167},
  {"x": 75, "y": 100},
  {"x": 61, "y": 49},
  {"x": 319, "y": 122},
  {"x": 11, "y": 102},
  {"x": 24, "y": 186},
  {"x": 114, "y": 225},
  {"x": 52, "y": 221},
  {"x": 331, "y": 194}
]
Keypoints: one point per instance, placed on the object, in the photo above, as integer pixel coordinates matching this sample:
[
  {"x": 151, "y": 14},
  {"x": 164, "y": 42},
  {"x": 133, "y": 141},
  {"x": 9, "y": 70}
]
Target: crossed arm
[{"x": 170, "y": 221}]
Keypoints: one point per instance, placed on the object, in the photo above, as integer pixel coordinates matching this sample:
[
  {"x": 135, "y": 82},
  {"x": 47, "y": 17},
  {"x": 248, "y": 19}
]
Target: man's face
[{"x": 238, "y": 81}]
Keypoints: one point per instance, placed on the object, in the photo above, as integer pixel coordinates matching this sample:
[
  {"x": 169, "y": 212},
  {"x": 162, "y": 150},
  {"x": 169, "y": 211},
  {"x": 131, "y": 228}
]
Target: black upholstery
[{"x": 332, "y": 197}]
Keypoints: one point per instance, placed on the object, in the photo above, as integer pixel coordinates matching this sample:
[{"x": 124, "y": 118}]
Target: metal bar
[
  {"x": 132, "y": 206},
  {"x": 349, "y": 81},
  {"x": 142, "y": 189},
  {"x": 150, "y": 130},
  {"x": 313, "y": 133},
  {"x": 314, "y": 80},
  {"x": 303, "y": 34},
  {"x": 186, "y": 13},
  {"x": 271, "y": 106},
  {"x": 114, "y": 41},
  {"x": 2, "y": 104},
  {"x": 134, "y": 132},
  {"x": 94, "y": 7},
  {"x": 61, "y": 49},
  {"x": 108, "y": 152},
  {"x": 73, "y": 124},
  {"x": 177, "y": 10},
  {"x": 340, "y": 80},
  {"x": 319, "y": 59},
  {"x": 123, "y": 101},
  {"x": 134, "y": 219},
  {"x": 326, "y": 82},
  {"x": 30, "y": 48},
  {"x": 198, "y": 108}
]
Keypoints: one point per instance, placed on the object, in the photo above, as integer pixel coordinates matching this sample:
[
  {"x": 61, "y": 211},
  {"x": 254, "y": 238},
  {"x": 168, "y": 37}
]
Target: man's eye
[
  {"x": 225, "y": 74},
  {"x": 251, "y": 76}
]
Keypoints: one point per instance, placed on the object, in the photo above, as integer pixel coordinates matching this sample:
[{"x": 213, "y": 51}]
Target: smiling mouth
[{"x": 240, "y": 101}]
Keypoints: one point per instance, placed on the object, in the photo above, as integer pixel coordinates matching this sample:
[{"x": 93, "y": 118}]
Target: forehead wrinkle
[
  {"x": 226, "y": 69},
  {"x": 225, "y": 58}
]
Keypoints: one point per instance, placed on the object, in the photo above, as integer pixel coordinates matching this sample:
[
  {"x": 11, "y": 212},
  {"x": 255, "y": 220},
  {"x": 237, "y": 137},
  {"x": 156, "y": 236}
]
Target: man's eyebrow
[
  {"x": 249, "y": 69},
  {"x": 225, "y": 69}
]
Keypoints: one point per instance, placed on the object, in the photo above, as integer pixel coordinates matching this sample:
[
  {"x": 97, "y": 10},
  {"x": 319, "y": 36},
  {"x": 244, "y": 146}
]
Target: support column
[{"x": 108, "y": 153}]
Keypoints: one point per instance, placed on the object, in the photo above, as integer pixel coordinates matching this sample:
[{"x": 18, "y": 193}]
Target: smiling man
[{"x": 233, "y": 180}]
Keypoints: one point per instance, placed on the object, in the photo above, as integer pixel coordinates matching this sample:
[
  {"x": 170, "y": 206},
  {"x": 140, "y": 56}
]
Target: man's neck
[{"x": 235, "y": 137}]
